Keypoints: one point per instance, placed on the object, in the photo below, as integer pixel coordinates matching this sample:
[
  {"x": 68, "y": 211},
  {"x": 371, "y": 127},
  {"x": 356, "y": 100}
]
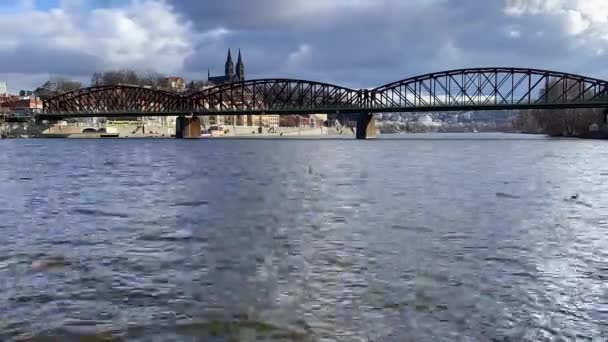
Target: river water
[{"x": 418, "y": 238}]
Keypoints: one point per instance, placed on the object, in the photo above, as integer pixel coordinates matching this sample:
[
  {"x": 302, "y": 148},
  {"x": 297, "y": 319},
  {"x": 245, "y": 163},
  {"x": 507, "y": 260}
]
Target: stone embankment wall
[
  {"x": 39, "y": 130},
  {"x": 134, "y": 131}
]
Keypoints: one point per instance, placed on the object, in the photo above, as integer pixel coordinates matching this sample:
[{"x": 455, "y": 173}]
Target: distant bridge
[{"x": 454, "y": 90}]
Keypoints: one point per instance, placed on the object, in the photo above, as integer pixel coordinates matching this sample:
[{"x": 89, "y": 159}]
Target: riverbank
[{"x": 30, "y": 130}]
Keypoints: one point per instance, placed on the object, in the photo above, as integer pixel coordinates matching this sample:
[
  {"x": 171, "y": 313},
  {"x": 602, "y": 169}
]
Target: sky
[{"x": 355, "y": 43}]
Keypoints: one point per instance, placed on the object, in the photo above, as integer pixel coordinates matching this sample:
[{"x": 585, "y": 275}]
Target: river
[{"x": 455, "y": 237}]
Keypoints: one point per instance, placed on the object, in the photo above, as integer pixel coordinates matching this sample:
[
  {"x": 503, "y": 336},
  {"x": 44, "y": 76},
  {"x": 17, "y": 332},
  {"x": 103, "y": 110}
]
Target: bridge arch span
[
  {"x": 487, "y": 88},
  {"x": 491, "y": 88},
  {"x": 114, "y": 99},
  {"x": 268, "y": 95}
]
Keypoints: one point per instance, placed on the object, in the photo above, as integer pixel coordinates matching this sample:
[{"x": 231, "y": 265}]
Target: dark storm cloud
[
  {"x": 358, "y": 43},
  {"x": 367, "y": 43},
  {"x": 49, "y": 60}
]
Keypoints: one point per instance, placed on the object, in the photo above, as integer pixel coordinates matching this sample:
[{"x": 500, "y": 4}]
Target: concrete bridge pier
[
  {"x": 366, "y": 126},
  {"x": 187, "y": 128}
]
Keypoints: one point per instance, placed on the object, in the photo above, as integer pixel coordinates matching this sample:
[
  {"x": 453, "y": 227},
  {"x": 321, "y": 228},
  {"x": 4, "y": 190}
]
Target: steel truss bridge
[{"x": 454, "y": 90}]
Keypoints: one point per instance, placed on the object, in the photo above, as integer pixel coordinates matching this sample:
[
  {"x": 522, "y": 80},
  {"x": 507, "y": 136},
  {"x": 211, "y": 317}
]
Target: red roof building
[{"x": 18, "y": 105}]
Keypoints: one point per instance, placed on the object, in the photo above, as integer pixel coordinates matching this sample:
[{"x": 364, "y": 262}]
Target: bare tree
[
  {"x": 56, "y": 85},
  {"x": 111, "y": 78},
  {"x": 130, "y": 77},
  {"x": 560, "y": 122},
  {"x": 63, "y": 85},
  {"x": 153, "y": 79},
  {"x": 97, "y": 79}
]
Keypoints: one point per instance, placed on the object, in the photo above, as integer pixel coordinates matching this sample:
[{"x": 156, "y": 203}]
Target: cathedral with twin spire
[
  {"x": 230, "y": 74},
  {"x": 234, "y": 74}
]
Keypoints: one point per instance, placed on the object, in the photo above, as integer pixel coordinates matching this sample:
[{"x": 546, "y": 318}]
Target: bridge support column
[
  {"x": 366, "y": 126},
  {"x": 187, "y": 128}
]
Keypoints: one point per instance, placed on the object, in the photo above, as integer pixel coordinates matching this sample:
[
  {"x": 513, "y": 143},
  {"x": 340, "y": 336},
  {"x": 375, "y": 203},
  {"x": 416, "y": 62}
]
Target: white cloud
[
  {"x": 214, "y": 34},
  {"x": 587, "y": 19},
  {"x": 576, "y": 23},
  {"x": 521, "y": 7},
  {"x": 144, "y": 34},
  {"x": 299, "y": 57},
  {"x": 513, "y": 32}
]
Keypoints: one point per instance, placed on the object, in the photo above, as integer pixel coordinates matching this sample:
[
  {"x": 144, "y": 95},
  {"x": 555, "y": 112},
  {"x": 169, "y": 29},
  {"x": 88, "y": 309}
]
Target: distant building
[
  {"x": 176, "y": 83},
  {"x": 264, "y": 120},
  {"x": 3, "y": 88},
  {"x": 290, "y": 121},
  {"x": 7, "y": 98},
  {"x": 312, "y": 120},
  {"x": 230, "y": 74},
  {"x": 319, "y": 120},
  {"x": 234, "y": 74},
  {"x": 322, "y": 117},
  {"x": 426, "y": 120},
  {"x": 23, "y": 106}
]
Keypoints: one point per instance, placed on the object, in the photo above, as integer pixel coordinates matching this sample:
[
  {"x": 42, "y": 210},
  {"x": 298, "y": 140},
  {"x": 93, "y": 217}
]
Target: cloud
[
  {"x": 72, "y": 41},
  {"x": 365, "y": 43},
  {"x": 358, "y": 43},
  {"x": 300, "y": 57},
  {"x": 585, "y": 19}
]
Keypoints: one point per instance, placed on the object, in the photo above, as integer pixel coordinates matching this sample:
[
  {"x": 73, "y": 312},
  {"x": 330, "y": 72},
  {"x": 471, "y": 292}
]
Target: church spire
[
  {"x": 229, "y": 72},
  {"x": 229, "y": 59},
  {"x": 240, "y": 68}
]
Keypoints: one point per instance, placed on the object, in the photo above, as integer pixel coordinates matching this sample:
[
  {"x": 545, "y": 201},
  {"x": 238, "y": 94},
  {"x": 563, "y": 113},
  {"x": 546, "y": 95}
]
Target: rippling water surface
[{"x": 432, "y": 238}]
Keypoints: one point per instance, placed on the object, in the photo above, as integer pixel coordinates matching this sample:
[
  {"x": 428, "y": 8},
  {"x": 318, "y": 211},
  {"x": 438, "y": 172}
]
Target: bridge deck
[{"x": 301, "y": 111}]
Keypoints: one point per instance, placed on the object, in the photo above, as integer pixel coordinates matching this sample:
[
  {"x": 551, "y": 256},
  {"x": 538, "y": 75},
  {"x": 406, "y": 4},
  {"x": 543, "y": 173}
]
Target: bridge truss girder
[
  {"x": 454, "y": 90},
  {"x": 492, "y": 88}
]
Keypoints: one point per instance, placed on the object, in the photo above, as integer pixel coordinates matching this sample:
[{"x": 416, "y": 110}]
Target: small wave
[
  {"x": 412, "y": 229},
  {"x": 549, "y": 155},
  {"x": 502, "y": 260},
  {"x": 190, "y": 204},
  {"x": 584, "y": 204},
  {"x": 505, "y": 195},
  {"x": 179, "y": 235},
  {"x": 6, "y": 262},
  {"x": 455, "y": 237},
  {"x": 95, "y": 212},
  {"x": 578, "y": 202},
  {"x": 524, "y": 274},
  {"x": 337, "y": 219},
  {"x": 76, "y": 242},
  {"x": 38, "y": 299},
  {"x": 202, "y": 330}
]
